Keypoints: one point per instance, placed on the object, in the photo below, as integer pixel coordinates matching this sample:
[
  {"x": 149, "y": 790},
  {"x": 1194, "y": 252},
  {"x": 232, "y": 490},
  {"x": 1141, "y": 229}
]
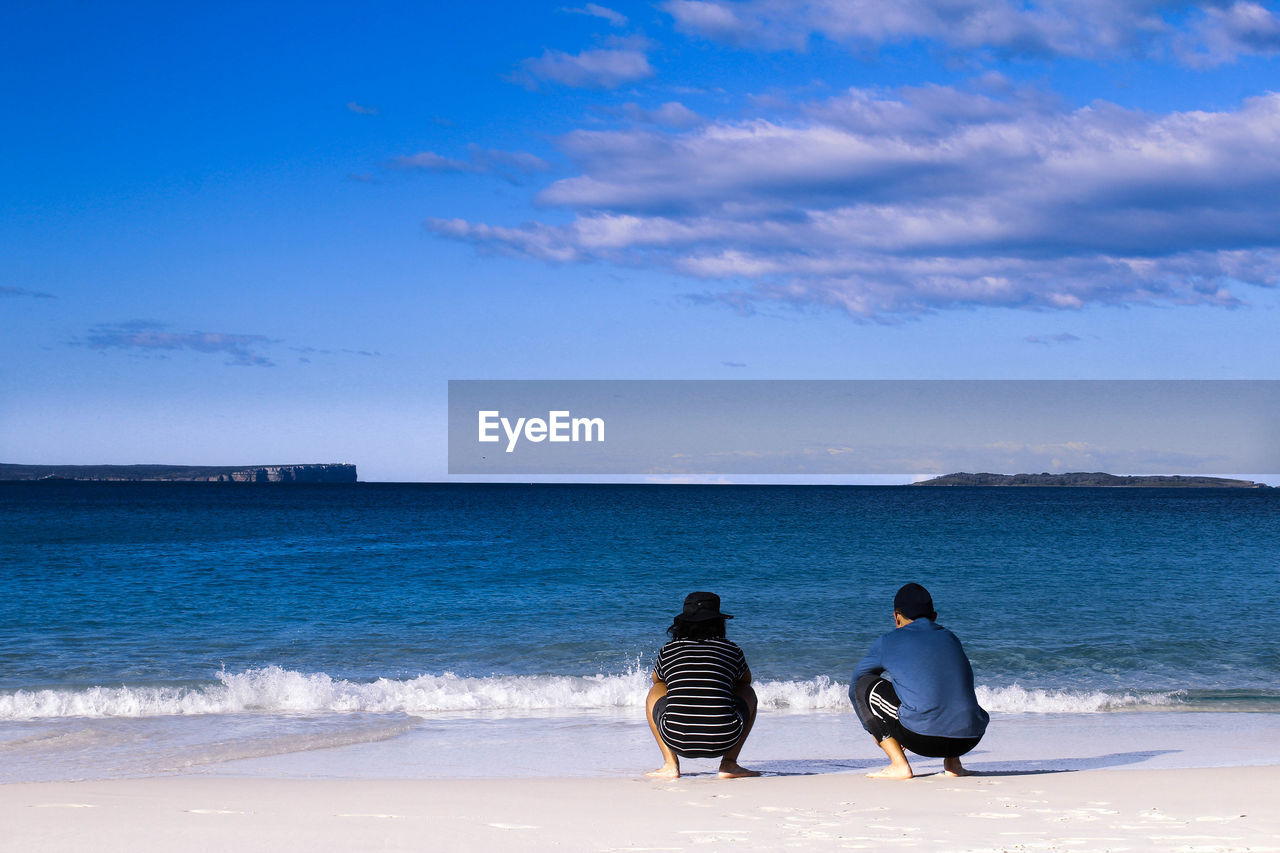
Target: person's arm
[
  {"x": 744, "y": 671},
  {"x": 869, "y": 665}
]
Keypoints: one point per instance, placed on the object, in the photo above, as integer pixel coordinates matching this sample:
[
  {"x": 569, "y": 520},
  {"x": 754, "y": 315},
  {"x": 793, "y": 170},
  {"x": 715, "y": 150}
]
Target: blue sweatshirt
[{"x": 932, "y": 677}]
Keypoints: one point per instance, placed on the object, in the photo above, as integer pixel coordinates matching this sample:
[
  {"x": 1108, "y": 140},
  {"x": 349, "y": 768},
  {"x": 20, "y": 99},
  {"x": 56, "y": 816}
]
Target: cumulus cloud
[
  {"x": 508, "y": 164},
  {"x": 1030, "y": 28},
  {"x": 361, "y": 109},
  {"x": 615, "y": 18},
  {"x": 620, "y": 62},
  {"x": 6, "y": 290},
  {"x": 149, "y": 337},
  {"x": 888, "y": 203}
]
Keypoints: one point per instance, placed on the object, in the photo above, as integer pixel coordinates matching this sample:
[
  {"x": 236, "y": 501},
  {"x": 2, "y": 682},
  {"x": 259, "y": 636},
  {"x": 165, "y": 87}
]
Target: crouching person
[
  {"x": 701, "y": 704},
  {"x": 927, "y": 705}
]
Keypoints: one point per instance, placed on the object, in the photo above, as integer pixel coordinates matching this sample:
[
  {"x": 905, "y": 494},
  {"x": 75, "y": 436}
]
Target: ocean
[{"x": 427, "y": 630}]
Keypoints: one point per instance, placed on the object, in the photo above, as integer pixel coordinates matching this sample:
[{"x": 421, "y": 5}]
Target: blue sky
[{"x": 272, "y": 232}]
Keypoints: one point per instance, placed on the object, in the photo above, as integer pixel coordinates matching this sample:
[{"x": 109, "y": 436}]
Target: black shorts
[{"x": 877, "y": 705}]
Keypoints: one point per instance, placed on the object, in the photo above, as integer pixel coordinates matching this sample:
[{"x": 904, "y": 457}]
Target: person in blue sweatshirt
[{"x": 926, "y": 704}]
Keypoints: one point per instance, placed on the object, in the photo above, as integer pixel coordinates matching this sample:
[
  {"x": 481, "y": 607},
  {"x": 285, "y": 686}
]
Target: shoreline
[
  {"x": 1183, "y": 809},
  {"x": 595, "y": 746}
]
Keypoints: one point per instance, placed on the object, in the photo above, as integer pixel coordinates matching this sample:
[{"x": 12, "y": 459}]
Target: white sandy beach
[
  {"x": 1208, "y": 809},
  {"x": 1122, "y": 781}
]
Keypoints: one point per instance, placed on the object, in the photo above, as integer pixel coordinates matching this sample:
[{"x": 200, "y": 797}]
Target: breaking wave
[{"x": 277, "y": 690}]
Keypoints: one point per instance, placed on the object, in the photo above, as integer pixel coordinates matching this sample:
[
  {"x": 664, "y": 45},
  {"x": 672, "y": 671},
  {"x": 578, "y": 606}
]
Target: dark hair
[
  {"x": 706, "y": 629},
  {"x": 932, "y": 615}
]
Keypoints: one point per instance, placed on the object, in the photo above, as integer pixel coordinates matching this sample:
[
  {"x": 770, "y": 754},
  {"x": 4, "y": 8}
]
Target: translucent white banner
[{"x": 864, "y": 427}]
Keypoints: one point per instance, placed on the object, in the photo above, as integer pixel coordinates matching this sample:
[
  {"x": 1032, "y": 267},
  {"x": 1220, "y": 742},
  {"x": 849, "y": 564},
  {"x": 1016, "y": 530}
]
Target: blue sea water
[{"x": 157, "y": 627}]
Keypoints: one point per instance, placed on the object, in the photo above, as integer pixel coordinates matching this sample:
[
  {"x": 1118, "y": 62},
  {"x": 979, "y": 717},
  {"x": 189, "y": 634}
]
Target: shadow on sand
[{"x": 1029, "y": 767}]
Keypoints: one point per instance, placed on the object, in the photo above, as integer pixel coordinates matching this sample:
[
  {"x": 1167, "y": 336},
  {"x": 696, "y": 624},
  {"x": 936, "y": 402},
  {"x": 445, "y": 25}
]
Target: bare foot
[
  {"x": 734, "y": 770},
  {"x": 953, "y": 767},
  {"x": 893, "y": 771},
  {"x": 666, "y": 771}
]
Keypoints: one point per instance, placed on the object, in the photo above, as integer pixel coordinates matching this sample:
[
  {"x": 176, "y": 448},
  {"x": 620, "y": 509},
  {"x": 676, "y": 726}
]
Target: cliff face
[
  {"x": 332, "y": 473},
  {"x": 322, "y": 473}
]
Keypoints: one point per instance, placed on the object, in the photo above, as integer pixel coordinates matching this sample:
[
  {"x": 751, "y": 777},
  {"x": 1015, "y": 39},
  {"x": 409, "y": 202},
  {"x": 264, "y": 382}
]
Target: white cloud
[
  {"x": 599, "y": 68},
  {"x": 723, "y": 22},
  {"x": 537, "y": 241},
  {"x": 1038, "y": 28},
  {"x": 670, "y": 114},
  {"x": 6, "y": 290},
  {"x": 149, "y": 337},
  {"x": 1046, "y": 340},
  {"x": 929, "y": 198},
  {"x": 479, "y": 160},
  {"x": 615, "y": 18},
  {"x": 432, "y": 162},
  {"x": 1223, "y": 34}
]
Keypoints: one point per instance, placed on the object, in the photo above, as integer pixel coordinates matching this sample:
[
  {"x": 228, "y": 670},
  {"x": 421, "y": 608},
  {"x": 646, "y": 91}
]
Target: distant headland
[
  {"x": 323, "y": 473},
  {"x": 1093, "y": 479}
]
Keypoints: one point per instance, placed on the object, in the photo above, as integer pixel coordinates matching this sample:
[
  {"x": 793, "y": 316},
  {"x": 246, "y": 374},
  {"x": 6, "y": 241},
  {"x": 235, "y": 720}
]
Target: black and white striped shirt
[{"x": 701, "y": 718}]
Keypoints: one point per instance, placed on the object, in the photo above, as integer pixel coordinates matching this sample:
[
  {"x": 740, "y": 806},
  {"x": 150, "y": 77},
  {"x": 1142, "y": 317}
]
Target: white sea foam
[
  {"x": 278, "y": 690},
  {"x": 817, "y": 694},
  {"x": 1015, "y": 699},
  {"x": 823, "y": 694}
]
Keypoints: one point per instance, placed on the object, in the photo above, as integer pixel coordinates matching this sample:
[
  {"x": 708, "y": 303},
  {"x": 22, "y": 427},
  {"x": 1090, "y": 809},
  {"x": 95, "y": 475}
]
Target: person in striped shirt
[{"x": 701, "y": 704}]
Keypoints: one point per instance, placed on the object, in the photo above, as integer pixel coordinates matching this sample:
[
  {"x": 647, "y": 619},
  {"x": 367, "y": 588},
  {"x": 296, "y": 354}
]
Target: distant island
[
  {"x": 1093, "y": 479},
  {"x": 323, "y": 473}
]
